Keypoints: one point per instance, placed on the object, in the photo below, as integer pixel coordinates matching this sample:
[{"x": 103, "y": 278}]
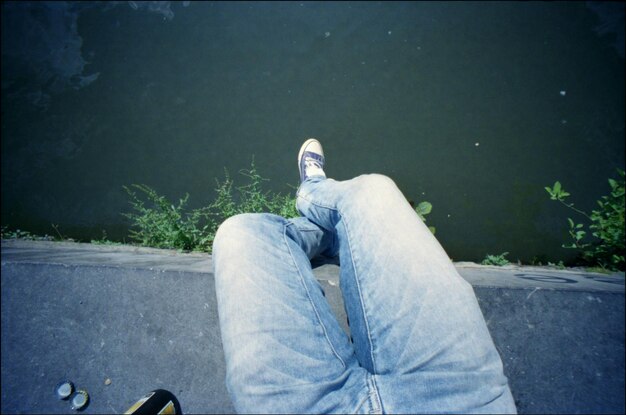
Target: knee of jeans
[
  {"x": 236, "y": 229},
  {"x": 377, "y": 182}
]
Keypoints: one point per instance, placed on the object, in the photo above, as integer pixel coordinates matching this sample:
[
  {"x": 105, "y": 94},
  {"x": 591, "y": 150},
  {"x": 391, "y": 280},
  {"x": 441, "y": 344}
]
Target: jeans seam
[
  {"x": 371, "y": 398},
  {"x": 356, "y": 279},
  {"x": 358, "y": 287},
  {"x": 308, "y": 294},
  {"x": 377, "y": 407},
  {"x": 315, "y": 203}
]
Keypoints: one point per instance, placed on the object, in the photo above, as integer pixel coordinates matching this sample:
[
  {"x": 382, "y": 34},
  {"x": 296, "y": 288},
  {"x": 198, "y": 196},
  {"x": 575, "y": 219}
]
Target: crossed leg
[{"x": 420, "y": 341}]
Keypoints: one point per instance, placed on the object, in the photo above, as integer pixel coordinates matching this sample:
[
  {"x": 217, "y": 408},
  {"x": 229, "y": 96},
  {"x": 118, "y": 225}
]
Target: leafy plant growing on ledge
[
  {"x": 156, "y": 222},
  {"x": 498, "y": 260},
  {"x": 6, "y": 233},
  {"x": 423, "y": 209},
  {"x": 161, "y": 224},
  {"x": 606, "y": 225}
]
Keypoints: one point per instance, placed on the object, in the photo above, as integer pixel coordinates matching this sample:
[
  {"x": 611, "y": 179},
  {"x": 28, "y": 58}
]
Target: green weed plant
[
  {"x": 7, "y": 233},
  {"x": 605, "y": 225},
  {"x": 497, "y": 260},
  {"x": 158, "y": 223},
  {"x": 423, "y": 209}
]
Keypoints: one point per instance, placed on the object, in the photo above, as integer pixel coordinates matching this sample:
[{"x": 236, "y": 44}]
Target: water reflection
[
  {"x": 41, "y": 41},
  {"x": 473, "y": 107}
]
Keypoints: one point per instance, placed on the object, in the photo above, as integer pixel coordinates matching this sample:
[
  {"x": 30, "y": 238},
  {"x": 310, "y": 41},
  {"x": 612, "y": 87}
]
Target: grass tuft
[{"x": 156, "y": 222}]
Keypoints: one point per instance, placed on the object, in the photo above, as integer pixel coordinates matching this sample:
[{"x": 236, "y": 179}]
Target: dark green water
[{"x": 474, "y": 107}]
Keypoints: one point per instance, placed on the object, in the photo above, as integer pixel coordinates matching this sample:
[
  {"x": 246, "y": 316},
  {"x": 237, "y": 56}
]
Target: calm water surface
[{"x": 474, "y": 107}]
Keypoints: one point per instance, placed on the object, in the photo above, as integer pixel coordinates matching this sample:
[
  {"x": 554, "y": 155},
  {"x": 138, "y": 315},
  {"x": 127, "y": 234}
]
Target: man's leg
[
  {"x": 416, "y": 323},
  {"x": 285, "y": 352}
]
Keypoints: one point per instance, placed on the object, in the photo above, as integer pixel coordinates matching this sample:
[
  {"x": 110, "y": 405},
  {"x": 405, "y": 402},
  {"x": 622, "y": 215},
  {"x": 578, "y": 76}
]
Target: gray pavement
[{"x": 147, "y": 318}]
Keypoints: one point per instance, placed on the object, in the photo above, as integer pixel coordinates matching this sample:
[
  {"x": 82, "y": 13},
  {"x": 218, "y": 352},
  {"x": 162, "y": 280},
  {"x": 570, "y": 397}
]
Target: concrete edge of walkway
[
  {"x": 35, "y": 244},
  {"x": 511, "y": 276}
]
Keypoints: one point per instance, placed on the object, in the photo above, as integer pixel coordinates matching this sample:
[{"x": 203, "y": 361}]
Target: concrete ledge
[
  {"x": 563, "y": 351},
  {"x": 147, "y": 319}
]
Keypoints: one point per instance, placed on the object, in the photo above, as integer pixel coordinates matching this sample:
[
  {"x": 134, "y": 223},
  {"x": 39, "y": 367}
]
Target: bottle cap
[
  {"x": 79, "y": 399},
  {"x": 64, "y": 389}
]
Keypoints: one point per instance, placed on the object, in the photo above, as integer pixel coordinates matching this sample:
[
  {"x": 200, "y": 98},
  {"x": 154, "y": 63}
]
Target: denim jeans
[{"x": 420, "y": 343}]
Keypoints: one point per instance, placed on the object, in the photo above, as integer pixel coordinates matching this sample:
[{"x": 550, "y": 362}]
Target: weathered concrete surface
[
  {"x": 142, "y": 329},
  {"x": 147, "y": 319}
]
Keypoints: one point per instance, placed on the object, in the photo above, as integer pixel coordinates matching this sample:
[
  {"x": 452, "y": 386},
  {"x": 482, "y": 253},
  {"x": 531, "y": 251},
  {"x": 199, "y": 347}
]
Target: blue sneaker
[{"x": 311, "y": 159}]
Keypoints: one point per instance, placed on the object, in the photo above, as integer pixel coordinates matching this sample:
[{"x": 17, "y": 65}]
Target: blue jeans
[{"x": 420, "y": 342}]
